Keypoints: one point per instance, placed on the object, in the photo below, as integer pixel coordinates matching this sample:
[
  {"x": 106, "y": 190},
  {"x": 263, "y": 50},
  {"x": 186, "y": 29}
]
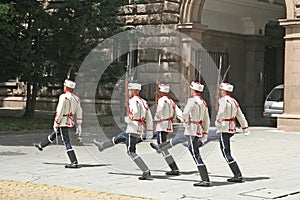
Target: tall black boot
[
  {"x": 204, "y": 177},
  {"x": 141, "y": 164},
  {"x": 171, "y": 162},
  {"x": 42, "y": 144},
  {"x": 161, "y": 147},
  {"x": 236, "y": 172},
  {"x": 73, "y": 159},
  {"x": 103, "y": 145}
]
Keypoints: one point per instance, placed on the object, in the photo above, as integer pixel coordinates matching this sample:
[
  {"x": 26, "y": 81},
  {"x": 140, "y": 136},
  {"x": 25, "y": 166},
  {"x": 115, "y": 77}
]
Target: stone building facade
[
  {"x": 246, "y": 34},
  {"x": 290, "y": 120}
]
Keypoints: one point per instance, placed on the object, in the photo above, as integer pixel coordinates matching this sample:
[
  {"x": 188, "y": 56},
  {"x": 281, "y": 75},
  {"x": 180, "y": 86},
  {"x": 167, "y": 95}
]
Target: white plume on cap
[
  {"x": 164, "y": 88},
  {"x": 69, "y": 84},
  {"x": 227, "y": 87},
  {"x": 197, "y": 86},
  {"x": 134, "y": 86}
]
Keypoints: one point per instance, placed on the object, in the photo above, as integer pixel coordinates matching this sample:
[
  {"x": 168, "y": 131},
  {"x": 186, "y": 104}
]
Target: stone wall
[{"x": 247, "y": 68}]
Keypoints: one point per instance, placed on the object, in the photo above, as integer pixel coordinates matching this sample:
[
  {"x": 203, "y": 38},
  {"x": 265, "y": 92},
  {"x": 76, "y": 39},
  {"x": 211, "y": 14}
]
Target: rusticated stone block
[
  {"x": 171, "y": 7},
  {"x": 155, "y": 19},
  {"x": 147, "y": 55},
  {"x": 150, "y": 8},
  {"x": 127, "y": 10},
  {"x": 151, "y": 1},
  {"x": 171, "y": 41},
  {"x": 170, "y": 18},
  {"x": 133, "y": 20}
]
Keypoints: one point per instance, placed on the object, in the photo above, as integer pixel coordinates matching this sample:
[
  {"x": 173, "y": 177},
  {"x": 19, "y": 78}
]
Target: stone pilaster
[{"x": 290, "y": 120}]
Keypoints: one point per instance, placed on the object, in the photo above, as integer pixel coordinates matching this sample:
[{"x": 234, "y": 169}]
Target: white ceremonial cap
[
  {"x": 227, "y": 87},
  {"x": 134, "y": 86},
  {"x": 164, "y": 88},
  {"x": 197, "y": 86},
  {"x": 70, "y": 84}
]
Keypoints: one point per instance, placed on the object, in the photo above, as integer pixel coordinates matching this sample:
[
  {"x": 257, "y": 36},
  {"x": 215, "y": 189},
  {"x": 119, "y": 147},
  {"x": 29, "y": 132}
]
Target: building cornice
[{"x": 255, "y": 4}]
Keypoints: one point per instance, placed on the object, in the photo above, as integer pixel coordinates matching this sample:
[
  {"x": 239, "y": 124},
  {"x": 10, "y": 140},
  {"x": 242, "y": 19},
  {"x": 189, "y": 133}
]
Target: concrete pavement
[{"x": 269, "y": 160}]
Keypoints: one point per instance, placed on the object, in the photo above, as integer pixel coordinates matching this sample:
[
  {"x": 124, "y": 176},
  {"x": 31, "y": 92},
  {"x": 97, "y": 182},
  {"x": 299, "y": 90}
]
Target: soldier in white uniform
[
  {"x": 139, "y": 126},
  {"x": 228, "y": 111},
  {"x": 166, "y": 108},
  {"x": 196, "y": 121},
  {"x": 67, "y": 109}
]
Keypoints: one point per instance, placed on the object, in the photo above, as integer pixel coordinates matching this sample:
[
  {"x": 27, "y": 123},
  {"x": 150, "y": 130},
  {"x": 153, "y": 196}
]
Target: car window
[{"x": 276, "y": 95}]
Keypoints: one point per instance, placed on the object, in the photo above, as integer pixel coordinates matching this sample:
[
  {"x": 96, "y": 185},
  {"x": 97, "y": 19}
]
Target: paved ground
[{"x": 269, "y": 160}]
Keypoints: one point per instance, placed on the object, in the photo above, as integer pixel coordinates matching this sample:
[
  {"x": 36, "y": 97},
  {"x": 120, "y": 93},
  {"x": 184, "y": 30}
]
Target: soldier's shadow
[
  {"x": 130, "y": 174},
  {"x": 80, "y": 165},
  {"x": 246, "y": 179},
  {"x": 172, "y": 178}
]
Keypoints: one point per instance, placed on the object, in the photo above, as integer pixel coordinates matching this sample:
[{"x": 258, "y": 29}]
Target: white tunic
[
  {"x": 196, "y": 117},
  {"x": 68, "y": 106},
  {"x": 140, "y": 117},
  {"x": 229, "y": 109},
  {"x": 166, "y": 108}
]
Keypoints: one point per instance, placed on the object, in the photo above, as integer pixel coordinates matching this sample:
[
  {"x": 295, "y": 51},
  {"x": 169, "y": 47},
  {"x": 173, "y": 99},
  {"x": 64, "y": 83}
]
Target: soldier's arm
[
  {"x": 59, "y": 109},
  {"x": 159, "y": 108},
  {"x": 133, "y": 109},
  {"x": 149, "y": 124},
  {"x": 78, "y": 113},
  {"x": 242, "y": 119},
  {"x": 179, "y": 113},
  {"x": 187, "y": 110},
  {"x": 220, "y": 112},
  {"x": 206, "y": 121}
]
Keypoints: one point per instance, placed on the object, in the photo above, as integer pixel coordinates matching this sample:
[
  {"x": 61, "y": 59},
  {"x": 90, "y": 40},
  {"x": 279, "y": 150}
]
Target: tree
[
  {"x": 7, "y": 68},
  {"x": 45, "y": 40}
]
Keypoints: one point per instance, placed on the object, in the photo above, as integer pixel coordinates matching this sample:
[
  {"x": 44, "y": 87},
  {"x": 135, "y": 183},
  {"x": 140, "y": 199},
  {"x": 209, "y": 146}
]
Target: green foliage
[
  {"x": 113, "y": 73},
  {"x": 39, "y": 43},
  {"x": 17, "y": 124}
]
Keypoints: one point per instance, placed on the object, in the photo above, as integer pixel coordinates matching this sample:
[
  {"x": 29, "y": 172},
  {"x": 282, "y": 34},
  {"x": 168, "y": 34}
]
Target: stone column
[
  {"x": 194, "y": 31},
  {"x": 290, "y": 120}
]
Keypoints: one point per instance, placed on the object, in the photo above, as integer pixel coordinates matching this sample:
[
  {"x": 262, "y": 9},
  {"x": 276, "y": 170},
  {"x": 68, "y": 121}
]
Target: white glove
[
  {"x": 204, "y": 140},
  {"x": 246, "y": 133},
  {"x": 55, "y": 129},
  {"x": 127, "y": 119},
  {"x": 149, "y": 135},
  {"x": 78, "y": 133},
  {"x": 78, "y": 130},
  {"x": 218, "y": 124},
  {"x": 185, "y": 124}
]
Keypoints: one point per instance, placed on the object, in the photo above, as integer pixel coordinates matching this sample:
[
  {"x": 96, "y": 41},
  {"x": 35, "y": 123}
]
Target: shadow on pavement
[
  {"x": 247, "y": 179},
  {"x": 80, "y": 165}
]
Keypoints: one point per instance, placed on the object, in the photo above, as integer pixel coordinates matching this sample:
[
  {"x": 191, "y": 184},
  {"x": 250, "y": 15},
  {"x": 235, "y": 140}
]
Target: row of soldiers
[{"x": 195, "y": 118}]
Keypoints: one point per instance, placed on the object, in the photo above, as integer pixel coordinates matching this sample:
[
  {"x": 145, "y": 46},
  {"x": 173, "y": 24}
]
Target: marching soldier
[
  {"x": 166, "y": 108},
  {"x": 138, "y": 121},
  {"x": 229, "y": 109},
  {"x": 68, "y": 106},
  {"x": 196, "y": 122}
]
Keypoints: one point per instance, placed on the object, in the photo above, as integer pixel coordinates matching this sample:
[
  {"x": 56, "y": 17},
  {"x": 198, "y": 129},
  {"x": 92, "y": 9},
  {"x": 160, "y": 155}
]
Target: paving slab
[{"x": 268, "y": 159}]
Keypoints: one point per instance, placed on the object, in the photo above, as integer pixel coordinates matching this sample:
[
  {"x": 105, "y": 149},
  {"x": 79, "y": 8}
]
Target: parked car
[{"x": 274, "y": 102}]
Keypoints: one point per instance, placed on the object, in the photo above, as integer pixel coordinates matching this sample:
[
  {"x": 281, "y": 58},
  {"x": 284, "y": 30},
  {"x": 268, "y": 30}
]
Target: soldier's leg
[
  {"x": 225, "y": 148},
  {"x": 70, "y": 151},
  {"x": 47, "y": 141},
  {"x": 194, "y": 143},
  {"x": 162, "y": 137},
  {"x": 131, "y": 150},
  {"x": 121, "y": 137},
  {"x": 179, "y": 138}
]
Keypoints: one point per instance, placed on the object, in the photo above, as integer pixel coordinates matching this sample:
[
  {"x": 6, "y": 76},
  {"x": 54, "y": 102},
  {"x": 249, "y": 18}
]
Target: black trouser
[
  {"x": 225, "y": 146},
  {"x": 64, "y": 133},
  {"x": 162, "y": 137},
  {"x": 194, "y": 144}
]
